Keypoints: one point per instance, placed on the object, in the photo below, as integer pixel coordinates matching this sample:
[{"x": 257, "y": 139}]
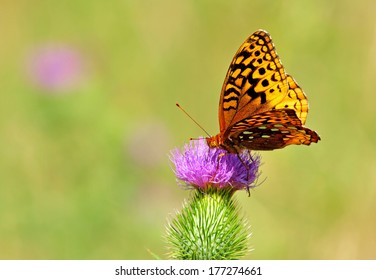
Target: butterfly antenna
[{"x": 189, "y": 116}]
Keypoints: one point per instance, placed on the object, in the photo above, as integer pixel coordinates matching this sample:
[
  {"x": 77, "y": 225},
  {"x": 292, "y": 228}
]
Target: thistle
[
  {"x": 210, "y": 226},
  {"x": 56, "y": 69}
]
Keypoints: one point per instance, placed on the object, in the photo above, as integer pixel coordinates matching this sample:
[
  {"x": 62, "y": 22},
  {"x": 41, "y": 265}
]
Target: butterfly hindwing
[
  {"x": 295, "y": 99},
  {"x": 270, "y": 130}
]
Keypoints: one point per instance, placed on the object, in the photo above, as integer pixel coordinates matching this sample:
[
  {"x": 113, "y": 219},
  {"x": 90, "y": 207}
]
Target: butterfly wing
[
  {"x": 255, "y": 81},
  {"x": 270, "y": 130},
  {"x": 295, "y": 99},
  {"x": 261, "y": 107}
]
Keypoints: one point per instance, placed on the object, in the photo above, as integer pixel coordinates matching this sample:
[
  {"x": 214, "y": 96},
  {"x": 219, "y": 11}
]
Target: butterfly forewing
[{"x": 255, "y": 82}]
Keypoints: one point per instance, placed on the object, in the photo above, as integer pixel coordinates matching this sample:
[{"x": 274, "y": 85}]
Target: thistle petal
[{"x": 201, "y": 167}]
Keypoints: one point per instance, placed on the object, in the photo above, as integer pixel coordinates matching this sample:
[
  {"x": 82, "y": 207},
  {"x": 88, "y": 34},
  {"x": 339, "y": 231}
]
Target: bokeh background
[{"x": 88, "y": 117}]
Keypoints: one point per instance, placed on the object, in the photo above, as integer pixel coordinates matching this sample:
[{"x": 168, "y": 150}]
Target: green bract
[{"x": 208, "y": 228}]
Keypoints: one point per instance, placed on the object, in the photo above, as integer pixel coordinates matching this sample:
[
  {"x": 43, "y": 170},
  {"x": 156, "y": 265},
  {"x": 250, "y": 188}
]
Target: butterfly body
[{"x": 261, "y": 107}]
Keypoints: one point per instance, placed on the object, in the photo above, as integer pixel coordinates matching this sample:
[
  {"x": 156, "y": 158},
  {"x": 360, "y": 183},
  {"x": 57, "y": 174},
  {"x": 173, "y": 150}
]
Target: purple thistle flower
[
  {"x": 56, "y": 68},
  {"x": 199, "y": 166}
]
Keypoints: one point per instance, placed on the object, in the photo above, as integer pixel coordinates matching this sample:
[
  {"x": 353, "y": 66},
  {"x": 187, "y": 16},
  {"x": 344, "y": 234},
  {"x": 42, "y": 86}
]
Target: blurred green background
[{"x": 84, "y": 169}]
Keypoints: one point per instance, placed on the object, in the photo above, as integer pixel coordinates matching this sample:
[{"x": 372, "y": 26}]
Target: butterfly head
[
  {"x": 214, "y": 141},
  {"x": 217, "y": 142}
]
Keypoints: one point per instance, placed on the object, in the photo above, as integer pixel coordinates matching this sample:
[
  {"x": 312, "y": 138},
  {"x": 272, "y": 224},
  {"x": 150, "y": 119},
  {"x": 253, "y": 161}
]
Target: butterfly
[{"x": 261, "y": 107}]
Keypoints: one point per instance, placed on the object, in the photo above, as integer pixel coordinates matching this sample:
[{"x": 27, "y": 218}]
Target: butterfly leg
[
  {"x": 217, "y": 168},
  {"x": 250, "y": 156},
  {"x": 218, "y": 160},
  {"x": 246, "y": 167}
]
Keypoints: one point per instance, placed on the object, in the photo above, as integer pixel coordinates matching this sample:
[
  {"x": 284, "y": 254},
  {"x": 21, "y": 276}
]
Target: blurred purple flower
[
  {"x": 139, "y": 147},
  {"x": 56, "y": 68},
  {"x": 199, "y": 166}
]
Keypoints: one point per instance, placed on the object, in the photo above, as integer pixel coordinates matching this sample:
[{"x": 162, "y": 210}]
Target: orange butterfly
[{"x": 261, "y": 107}]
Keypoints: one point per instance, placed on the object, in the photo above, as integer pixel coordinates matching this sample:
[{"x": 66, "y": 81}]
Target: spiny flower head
[{"x": 202, "y": 167}]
